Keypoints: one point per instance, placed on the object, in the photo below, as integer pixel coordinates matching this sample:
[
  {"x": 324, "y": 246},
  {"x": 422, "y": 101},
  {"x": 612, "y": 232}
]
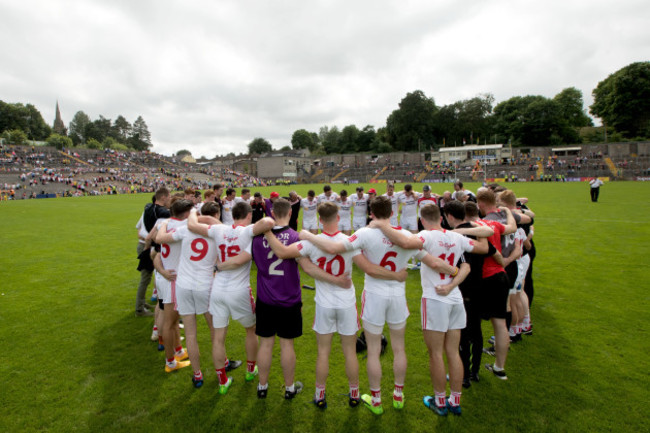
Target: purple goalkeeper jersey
[{"x": 278, "y": 281}]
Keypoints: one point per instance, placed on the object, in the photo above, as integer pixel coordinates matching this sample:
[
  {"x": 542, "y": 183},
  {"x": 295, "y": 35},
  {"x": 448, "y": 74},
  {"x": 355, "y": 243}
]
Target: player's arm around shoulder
[
  {"x": 463, "y": 272},
  {"x": 263, "y": 226},
  {"x": 235, "y": 262},
  {"x": 377, "y": 271},
  {"x": 195, "y": 226},
  {"x": 511, "y": 224},
  {"x": 478, "y": 230},
  {"x": 163, "y": 237},
  {"x": 398, "y": 237},
  {"x": 325, "y": 245},
  {"x": 282, "y": 251},
  {"x": 344, "y": 281}
]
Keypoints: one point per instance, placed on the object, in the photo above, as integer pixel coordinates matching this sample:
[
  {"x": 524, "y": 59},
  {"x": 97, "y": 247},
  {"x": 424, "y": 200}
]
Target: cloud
[{"x": 211, "y": 76}]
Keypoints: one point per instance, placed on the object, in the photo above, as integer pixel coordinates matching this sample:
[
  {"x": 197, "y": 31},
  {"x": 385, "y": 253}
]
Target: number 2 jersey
[
  {"x": 230, "y": 242},
  {"x": 329, "y": 295},
  {"x": 448, "y": 246},
  {"x": 381, "y": 251},
  {"x": 278, "y": 281}
]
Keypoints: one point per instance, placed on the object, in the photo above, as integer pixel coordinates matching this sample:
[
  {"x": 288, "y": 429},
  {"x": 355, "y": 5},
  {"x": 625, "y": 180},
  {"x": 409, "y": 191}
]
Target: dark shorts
[
  {"x": 494, "y": 296},
  {"x": 272, "y": 320},
  {"x": 160, "y": 304}
]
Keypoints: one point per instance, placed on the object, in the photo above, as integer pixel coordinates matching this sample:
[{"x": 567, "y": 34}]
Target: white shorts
[
  {"x": 409, "y": 223},
  {"x": 345, "y": 321},
  {"x": 522, "y": 266},
  {"x": 440, "y": 316},
  {"x": 344, "y": 225},
  {"x": 376, "y": 310},
  {"x": 192, "y": 301},
  {"x": 164, "y": 287},
  {"x": 240, "y": 305},
  {"x": 356, "y": 224},
  {"x": 309, "y": 224}
]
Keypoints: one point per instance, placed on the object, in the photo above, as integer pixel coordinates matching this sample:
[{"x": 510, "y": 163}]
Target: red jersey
[{"x": 490, "y": 266}]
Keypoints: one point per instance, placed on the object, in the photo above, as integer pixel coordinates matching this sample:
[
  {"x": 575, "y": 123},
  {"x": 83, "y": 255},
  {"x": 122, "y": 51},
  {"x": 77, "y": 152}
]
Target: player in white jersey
[
  {"x": 426, "y": 198},
  {"x": 245, "y": 197},
  {"x": 309, "y": 205},
  {"x": 166, "y": 264},
  {"x": 442, "y": 310},
  {"x": 336, "y": 309},
  {"x": 327, "y": 195},
  {"x": 228, "y": 203},
  {"x": 193, "y": 282},
  {"x": 360, "y": 204},
  {"x": 345, "y": 205},
  {"x": 393, "y": 197},
  {"x": 383, "y": 301},
  {"x": 408, "y": 210},
  {"x": 231, "y": 294}
]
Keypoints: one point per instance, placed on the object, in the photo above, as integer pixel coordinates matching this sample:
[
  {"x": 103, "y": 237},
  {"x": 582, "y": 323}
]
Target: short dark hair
[
  {"x": 311, "y": 193},
  {"x": 431, "y": 213},
  {"x": 408, "y": 187},
  {"x": 327, "y": 211},
  {"x": 162, "y": 192},
  {"x": 230, "y": 191},
  {"x": 343, "y": 192},
  {"x": 245, "y": 191},
  {"x": 381, "y": 207},
  {"x": 217, "y": 186},
  {"x": 455, "y": 209},
  {"x": 257, "y": 194},
  {"x": 211, "y": 208},
  {"x": 180, "y": 206},
  {"x": 471, "y": 209},
  {"x": 327, "y": 188},
  {"x": 458, "y": 183},
  {"x": 281, "y": 207},
  {"x": 241, "y": 210}
]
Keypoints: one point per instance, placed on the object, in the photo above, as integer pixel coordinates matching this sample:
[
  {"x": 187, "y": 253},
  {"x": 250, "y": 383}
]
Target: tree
[
  {"x": 571, "y": 104},
  {"x": 93, "y": 144},
  {"x": 98, "y": 129},
  {"x": 77, "y": 128},
  {"x": 302, "y": 139},
  {"x": 469, "y": 120},
  {"x": 181, "y": 153},
  {"x": 259, "y": 145},
  {"x": 140, "y": 138},
  {"x": 59, "y": 141},
  {"x": 121, "y": 129},
  {"x": 286, "y": 148},
  {"x": 366, "y": 139},
  {"x": 622, "y": 100},
  {"x": 329, "y": 138},
  {"x": 348, "y": 139},
  {"x": 110, "y": 143},
  {"x": 24, "y": 117},
  {"x": 412, "y": 126},
  {"x": 15, "y": 136}
]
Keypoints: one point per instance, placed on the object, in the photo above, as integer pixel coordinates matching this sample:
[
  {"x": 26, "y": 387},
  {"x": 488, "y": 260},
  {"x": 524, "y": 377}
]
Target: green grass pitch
[{"x": 76, "y": 359}]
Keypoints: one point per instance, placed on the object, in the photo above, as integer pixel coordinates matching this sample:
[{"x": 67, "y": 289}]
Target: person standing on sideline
[{"x": 595, "y": 184}]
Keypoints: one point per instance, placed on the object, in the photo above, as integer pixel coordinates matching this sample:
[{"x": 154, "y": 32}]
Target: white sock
[
  {"x": 262, "y": 387},
  {"x": 291, "y": 388}
]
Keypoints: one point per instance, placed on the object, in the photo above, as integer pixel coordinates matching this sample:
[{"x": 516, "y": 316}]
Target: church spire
[{"x": 59, "y": 126}]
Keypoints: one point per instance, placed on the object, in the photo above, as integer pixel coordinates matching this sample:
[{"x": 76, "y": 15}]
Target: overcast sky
[{"x": 209, "y": 76}]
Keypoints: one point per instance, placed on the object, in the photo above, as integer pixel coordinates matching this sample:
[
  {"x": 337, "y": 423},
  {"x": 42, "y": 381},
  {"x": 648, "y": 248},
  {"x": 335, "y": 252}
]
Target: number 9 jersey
[
  {"x": 198, "y": 256},
  {"x": 381, "y": 251}
]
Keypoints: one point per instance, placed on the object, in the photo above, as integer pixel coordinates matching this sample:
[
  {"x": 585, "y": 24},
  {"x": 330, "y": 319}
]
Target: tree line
[
  {"x": 21, "y": 123},
  {"x": 621, "y": 101}
]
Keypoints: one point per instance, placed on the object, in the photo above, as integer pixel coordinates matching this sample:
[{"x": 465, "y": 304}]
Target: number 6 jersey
[{"x": 381, "y": 251}]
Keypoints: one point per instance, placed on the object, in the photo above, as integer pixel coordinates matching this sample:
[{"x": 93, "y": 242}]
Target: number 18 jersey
[
  {"x": 230, "y": 242},
  {"x": 381, "y": 251}
]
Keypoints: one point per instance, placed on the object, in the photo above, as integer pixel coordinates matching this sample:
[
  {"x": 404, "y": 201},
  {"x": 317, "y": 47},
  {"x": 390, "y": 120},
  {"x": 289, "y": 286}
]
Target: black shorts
[
  {"x": 160, "y": 304},
  {"x": 512, "y": 270},
  {"x": 272, "y": 320},
  {"x": 494, "y": 296}
]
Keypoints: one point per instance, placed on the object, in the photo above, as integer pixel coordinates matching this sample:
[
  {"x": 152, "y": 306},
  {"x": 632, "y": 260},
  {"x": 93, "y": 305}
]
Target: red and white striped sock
[
  {"x": 398, "y": 392},
  {"x": 221, "y": 374},
  {"x": 171, "y": 362},
  {"x": 376, "y": 396},
  {"x": 440, "y": 399},
  {"x": 354, "y": 391},
  {"x": 250, "y": 366},
  {"x": 454, "y": 398},
  {"x": 178, "y": 350},
  {"x": 320, "y": 392},
  {"x": 198, "y": 375}
]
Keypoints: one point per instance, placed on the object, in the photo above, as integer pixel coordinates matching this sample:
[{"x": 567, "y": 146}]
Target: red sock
[
  {"x": 250, "y": 366},
  {"x": 440, "y": 399},
  {"x": 397, "y": 393},
  {"x": 320, "y": 392},
  {"x": 354, "y": 391},
  {"x": 454, "y": 398},
  {"x": 198, "y": 375},
  {"x": 179, "y": 349},
  {"x": 170, "y": 360},
  {"x": 155, "y": 328},
  {"x": 221, "y": 373},
  {"x": 376, "y": 396}
]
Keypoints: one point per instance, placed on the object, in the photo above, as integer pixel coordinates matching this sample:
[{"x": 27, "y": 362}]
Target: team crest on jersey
[
  {"x": 352, "y": 238},
  {"x": 299, "y": 246}
]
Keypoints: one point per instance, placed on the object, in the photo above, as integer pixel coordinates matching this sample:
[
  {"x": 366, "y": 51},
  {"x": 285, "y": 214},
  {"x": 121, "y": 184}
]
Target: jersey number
[
  {"x": 386, "y": 263},
  {"x": 230, "y": 251},
  {"x": 200, "y": 247},
  {"x": 449, "y": 259},
  {"x": 164, "y": 250},
  {"x": 327, "y": 266},
  {"x": 273, "y": 266}
]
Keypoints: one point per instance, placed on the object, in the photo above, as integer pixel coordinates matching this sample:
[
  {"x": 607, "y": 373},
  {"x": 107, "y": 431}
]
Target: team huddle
[{"x": 472, "y": 269}]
